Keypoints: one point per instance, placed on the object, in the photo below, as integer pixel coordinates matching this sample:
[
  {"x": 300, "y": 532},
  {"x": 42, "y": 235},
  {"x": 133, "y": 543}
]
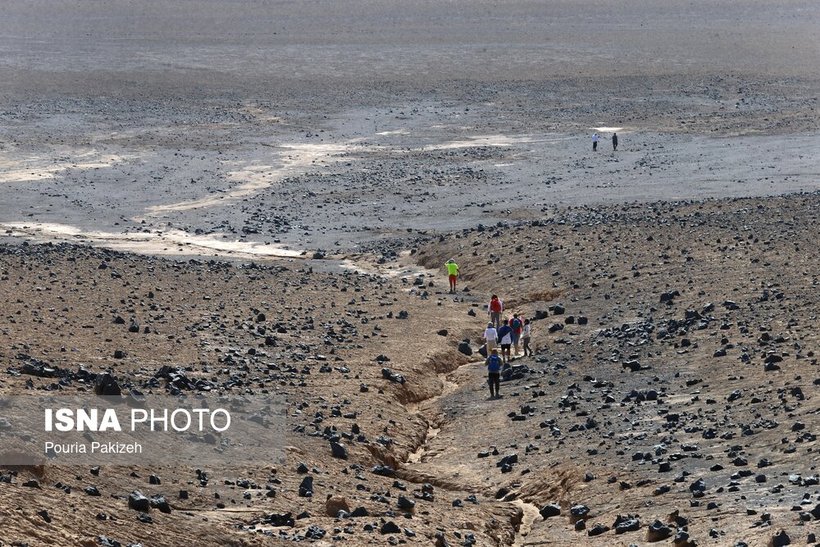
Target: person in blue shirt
[
  {"x": 505, "y": 334},
  {"x": 494, "y": 374}
]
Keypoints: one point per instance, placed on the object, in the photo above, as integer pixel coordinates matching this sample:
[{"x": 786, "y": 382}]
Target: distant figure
[
  {"x": 494, "y": 373},
  {"x": 505, "y": 339},
  {"x": 594, "y": 142},
  {"x": 614, "y": 141},
  {"x": 490, "y": 337},
  {"x": 517, "y": 325},
  {"x": 525, "y": 337},
  {"x": 494, "y": 309},
  {"x": 452, "y": 272}
]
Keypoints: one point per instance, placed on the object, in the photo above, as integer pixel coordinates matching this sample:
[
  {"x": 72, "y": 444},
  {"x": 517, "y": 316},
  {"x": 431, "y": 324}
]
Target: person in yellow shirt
[{"x": 452, "y": 272}]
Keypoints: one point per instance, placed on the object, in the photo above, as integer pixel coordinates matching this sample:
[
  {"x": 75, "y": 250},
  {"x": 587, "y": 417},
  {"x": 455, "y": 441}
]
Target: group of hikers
[
  {"x": 504, "y": 334},
  {"x": 596, "y": 138},
  {"x": 507, "y": 333}
]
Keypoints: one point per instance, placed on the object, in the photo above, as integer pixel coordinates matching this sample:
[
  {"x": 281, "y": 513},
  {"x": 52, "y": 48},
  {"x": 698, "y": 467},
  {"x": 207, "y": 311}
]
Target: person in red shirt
[{"x": 494, "y": 310}]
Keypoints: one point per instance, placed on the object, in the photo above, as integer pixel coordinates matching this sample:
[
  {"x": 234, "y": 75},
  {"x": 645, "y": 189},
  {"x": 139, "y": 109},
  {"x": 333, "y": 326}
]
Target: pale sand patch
[
  {"x": 259, "y": 177},
  {"x": 169, "y": 242},
  {"x": 481, "y": 140},
  {"x": 38, "y": 168}
]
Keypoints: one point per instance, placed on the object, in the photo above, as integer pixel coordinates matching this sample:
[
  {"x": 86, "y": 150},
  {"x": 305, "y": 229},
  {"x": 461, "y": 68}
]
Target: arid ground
[{"x": 268, "y": 191}]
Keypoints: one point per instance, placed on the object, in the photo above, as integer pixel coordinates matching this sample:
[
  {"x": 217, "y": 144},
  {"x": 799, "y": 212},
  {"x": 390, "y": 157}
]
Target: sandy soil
[{"x": 190, "y": 166}]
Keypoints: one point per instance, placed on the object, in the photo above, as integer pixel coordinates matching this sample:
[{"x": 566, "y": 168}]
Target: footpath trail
[{"x": 464, "y": 385}]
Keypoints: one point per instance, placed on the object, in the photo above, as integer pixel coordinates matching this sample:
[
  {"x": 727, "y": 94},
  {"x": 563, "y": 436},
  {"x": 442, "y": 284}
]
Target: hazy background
[{"x": 212, "y": 42}]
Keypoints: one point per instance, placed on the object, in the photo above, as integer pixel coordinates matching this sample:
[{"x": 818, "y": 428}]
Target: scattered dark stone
[
  {"x": 145, "y": 518},
  {"x": 338, "y": 450},
  {"x": 697, "y": 486},
  {"x": 780, "y": 539},
  {"x": 314, "y": 531},
  {"x": 633, "y": 365},
  {"x": 578, "y": 512},
  {"x": 390, "y": 527},
  {"x": 681, "y": 537},
  {"x": 406, "y": 504},
  {"x": 359, "y": 512},
  {"x": 550, "y": 510},
  {"x": 464, "y": 347},
  {"x": 159, "y": 502},
  {"x": 306, "y": 487},
  {"x": 383, "y": 470},
  {"x": 668, "y": 297},
  {"x": 280, "y": 519},
  {"x": 629, "y": 524},
  {"x": 597, "y": 530},
  {"x": 393, "y": 376},
  {"x": 658, "y": 531},
  {"x": 138, "y": 502}
]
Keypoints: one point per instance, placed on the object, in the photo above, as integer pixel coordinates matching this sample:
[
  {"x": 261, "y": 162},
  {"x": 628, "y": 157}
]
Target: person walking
[
  {"x": 490, "y": 337},
  {"x": 517, "y": 325},
  {"x": 452, "y": 273},
  {"x": 505, "y": 339},
  {"x": 494, "y": 310},
  {"x": 526, "y": 335},
  {"x": 594, "y": 142},
  {"x": 614, "y": 142},
  {"x": 494, "y": 374}
]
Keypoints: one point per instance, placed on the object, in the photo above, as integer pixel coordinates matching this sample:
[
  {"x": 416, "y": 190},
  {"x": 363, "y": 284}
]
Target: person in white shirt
[
  {"x": 594, "y": 142},
  {"x": 491, "y": 337},
  {"x": 525, "y": 337}
]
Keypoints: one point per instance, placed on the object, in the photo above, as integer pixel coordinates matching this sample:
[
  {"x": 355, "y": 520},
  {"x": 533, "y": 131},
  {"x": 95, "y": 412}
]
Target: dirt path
[{"x": 531, "y": 513}]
